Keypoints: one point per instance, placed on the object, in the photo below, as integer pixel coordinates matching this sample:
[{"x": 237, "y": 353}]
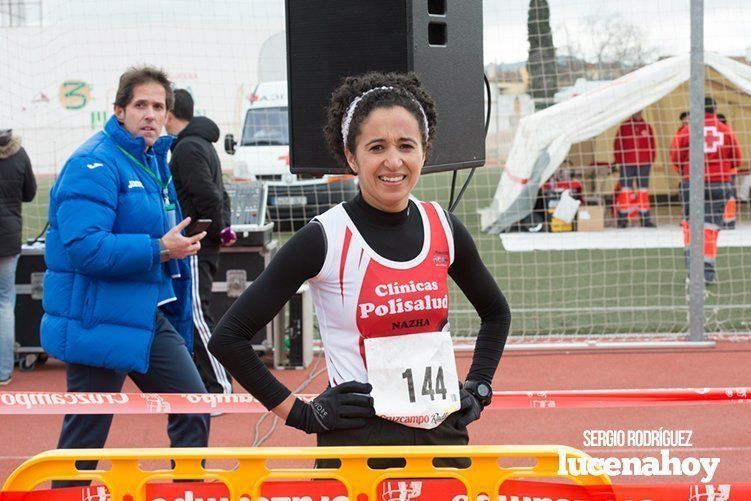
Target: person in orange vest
[
  {"x": 635, "y": 152},
  {"x": 722, "y": 157},
  {"x": 728, "y": 219}
]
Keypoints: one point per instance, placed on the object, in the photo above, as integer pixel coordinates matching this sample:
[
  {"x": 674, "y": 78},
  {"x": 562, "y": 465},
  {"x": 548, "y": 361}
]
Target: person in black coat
[
  {"x": 197, "y": 174},
  {"x": 17, "y": 184}
]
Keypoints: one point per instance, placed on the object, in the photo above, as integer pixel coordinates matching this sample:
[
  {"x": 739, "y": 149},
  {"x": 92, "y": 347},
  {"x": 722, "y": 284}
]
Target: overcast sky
[{"x": 665, "y": 23}]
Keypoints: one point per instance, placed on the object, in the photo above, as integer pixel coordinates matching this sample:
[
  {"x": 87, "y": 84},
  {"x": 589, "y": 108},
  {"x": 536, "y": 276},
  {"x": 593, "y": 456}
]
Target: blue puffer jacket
[{"x": 103, "y": 272}]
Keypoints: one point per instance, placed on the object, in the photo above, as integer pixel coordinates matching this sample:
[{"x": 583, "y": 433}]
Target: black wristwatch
[{"x": 481, "y": 391}]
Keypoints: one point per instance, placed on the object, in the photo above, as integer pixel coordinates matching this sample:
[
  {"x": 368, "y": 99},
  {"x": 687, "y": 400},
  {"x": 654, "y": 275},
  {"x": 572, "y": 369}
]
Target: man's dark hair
[
  {"x": 183, "y": 107},
  {"x": 139, "y": 75},
  {"x": 710, "y": 106},
  {"x": 683, "y": 115}
]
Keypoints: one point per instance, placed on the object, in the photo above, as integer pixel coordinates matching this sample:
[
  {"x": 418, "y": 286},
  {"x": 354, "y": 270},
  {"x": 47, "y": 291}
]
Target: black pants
[
  {"x": 171, "y": 370},
  {"x": 636, "y": 176},
  {"x": 716, "y": 196},
  {"x": 380, "y": 431},
  {"x": 214, "y": 376}
]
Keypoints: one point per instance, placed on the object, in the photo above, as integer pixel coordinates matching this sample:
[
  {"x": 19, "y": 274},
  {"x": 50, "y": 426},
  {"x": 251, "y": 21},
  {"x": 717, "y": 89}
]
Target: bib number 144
[{"x": 431, "y": 386}]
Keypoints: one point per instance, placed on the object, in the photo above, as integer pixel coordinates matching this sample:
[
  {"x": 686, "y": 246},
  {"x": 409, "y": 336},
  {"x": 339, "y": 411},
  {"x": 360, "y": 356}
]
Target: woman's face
[{"x": 388, "y": 157}]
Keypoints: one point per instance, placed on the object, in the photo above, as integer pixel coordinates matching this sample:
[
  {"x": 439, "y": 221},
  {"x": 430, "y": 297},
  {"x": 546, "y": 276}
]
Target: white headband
[{"x": 347, "y": 120}]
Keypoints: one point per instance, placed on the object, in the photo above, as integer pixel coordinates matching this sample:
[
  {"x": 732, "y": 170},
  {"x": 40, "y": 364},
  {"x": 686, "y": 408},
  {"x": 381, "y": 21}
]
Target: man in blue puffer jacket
[{"x": 116, "y": 291}]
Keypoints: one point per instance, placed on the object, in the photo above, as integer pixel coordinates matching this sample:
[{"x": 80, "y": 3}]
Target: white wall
[
  {"x": 506, "y": 111},
  {"x": 218, "y": 63}
]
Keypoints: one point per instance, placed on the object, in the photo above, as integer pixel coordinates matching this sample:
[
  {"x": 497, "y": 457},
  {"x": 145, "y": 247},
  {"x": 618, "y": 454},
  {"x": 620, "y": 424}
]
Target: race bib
[{"x": 414, "y": 378}]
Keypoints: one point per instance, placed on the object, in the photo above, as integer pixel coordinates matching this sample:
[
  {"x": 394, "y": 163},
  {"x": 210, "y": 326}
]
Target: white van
[{"x": 262, "y": 154}]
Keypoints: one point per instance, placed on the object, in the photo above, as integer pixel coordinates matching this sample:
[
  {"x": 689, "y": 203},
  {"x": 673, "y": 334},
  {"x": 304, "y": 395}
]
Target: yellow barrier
[{"x": 126, "y": 480}]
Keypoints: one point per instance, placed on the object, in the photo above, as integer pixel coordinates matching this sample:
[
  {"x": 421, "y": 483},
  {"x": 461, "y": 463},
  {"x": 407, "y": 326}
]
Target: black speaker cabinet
[
  {"x": 28, "y": 311},
  {"x": 440, "y": 40},
  {"x": 238, "y": 267},
  {"x": 293, "y": 336}
]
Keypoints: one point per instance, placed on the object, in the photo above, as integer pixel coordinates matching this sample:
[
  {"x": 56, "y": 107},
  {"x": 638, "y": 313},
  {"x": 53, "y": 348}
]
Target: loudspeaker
[
  {"x": 300, "y": 329},
  {"x": 440, "y": 40},
  {"x": 293, "y": 339},
  {"x": 238, "y": 267},
  {"x": 28, "y": 312}
]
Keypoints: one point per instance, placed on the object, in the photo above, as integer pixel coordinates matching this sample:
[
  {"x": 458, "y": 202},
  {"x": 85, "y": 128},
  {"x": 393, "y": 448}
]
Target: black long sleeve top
[{"x": 395, "y": 236}]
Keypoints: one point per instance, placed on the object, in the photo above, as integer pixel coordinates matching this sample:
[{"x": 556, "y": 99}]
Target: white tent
[{"x": 544, "y": 139}]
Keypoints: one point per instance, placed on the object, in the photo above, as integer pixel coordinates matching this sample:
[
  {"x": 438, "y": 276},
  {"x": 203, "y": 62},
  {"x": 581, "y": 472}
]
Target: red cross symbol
[{"x": 713, "y": 139}]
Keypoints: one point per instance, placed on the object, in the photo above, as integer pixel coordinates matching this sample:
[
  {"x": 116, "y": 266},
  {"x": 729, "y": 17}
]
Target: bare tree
[
  {"x": 12, "y": 13},
  {"x": 610, "y": 43}
]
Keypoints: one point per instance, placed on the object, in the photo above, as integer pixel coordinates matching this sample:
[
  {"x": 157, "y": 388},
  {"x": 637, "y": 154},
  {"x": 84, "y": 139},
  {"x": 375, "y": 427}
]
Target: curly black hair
[{"x": 406, "y": 90}]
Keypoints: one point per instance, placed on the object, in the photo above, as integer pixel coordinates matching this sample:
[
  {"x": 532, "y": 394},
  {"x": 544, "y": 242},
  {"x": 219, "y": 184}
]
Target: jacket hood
[
  {"x": 11, "y": 148},
  {"x": 200, "y": 126}
]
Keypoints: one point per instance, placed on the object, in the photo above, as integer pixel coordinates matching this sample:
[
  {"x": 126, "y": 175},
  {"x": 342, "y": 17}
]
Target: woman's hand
[
  {"x": 470, "y": 410},
  {"x": 343, "y": 407}
]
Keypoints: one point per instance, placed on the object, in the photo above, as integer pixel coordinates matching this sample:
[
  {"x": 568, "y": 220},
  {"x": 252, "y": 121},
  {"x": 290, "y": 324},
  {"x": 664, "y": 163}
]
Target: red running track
[{"x": 718, "y": 430}]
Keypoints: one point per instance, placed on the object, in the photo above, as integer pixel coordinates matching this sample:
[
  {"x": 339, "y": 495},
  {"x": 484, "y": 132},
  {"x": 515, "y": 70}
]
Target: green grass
[
  {"x": 35, "y": 212},
  {"x": 590, "y": 292},
  {"x": 585, "y": 292}
]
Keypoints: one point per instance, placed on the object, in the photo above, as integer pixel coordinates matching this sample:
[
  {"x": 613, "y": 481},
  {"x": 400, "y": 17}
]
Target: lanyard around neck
[{"x": 150, "y": 172}]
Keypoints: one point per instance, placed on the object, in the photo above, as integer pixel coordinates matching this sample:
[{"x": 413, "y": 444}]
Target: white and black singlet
[{"x": 370, "y": 272}]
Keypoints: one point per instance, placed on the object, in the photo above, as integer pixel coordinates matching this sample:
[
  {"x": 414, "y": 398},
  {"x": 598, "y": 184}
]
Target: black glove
[
  {"x": 343, "y": 407},
  {"x": 470, "y": 409}
]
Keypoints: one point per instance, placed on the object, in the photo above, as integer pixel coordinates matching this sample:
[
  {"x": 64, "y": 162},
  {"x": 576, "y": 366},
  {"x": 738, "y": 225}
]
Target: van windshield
[{"x": 266, "y": 126}]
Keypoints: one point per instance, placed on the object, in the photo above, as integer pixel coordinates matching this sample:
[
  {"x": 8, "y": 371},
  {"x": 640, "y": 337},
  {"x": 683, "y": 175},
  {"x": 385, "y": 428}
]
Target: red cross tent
[{"x": 581, "y": 131}]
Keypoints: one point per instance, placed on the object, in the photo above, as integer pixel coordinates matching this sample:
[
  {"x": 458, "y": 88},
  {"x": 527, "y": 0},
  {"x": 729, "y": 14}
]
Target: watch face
[{"x": 483, "y": 390}]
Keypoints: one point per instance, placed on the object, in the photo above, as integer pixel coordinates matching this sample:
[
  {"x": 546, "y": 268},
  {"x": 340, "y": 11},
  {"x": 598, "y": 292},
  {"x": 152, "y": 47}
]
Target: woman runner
[{"x": 377, "y": 267}]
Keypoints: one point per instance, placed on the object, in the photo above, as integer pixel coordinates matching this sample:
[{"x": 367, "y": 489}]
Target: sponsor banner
[
  {"x": 19, "y": 402},
  {"x": 35, "y": 402},
  {"x": 619, "y": 398},
  {"x": 409, "y": 490}
]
